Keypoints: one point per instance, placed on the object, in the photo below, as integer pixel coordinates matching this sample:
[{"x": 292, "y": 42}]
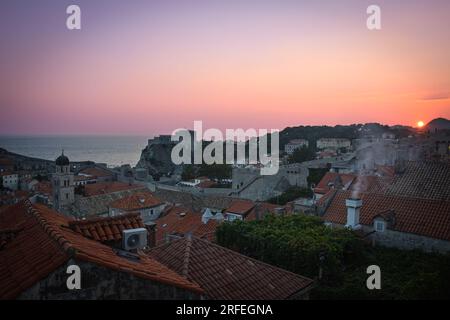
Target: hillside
[{"x": 438, "y": 124}]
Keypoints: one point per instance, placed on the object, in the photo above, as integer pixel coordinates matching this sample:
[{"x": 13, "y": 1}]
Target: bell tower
[{"x": 62, "y": 183}]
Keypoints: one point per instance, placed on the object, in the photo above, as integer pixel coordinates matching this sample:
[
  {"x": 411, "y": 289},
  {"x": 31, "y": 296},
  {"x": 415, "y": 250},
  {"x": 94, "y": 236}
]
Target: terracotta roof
[
  {"x": 44, "y": 187},
  {"x": 46, "y": 242},
  {"x": 430, "y": 218},
  {"x": 333, "y": 178},
  {"x": 387, "y": 171},
  {"x": 242, "y": 207},
  {"x": 137, "y": 201},
  {"x": 96, "y": 172},
  {"x": 84, "y": 178},
  {"x": 99, "y": 204},
  {"x": 180, "y": 221},
  {"x": 352, "y": 182},
  {"x": 326, "y": 197},
  {"x": 107, "y": 229},
  {"x": 7, "y": 173},
  {"x": 428, "y": 180},
  {"x": 261, "y": 209},
  {"x": 206, "y": 184},
  {"x": 226, "y": 274},
  {"x": 95, "y": 189},
  {"x": 370, "y": 184},
  {"x": 6, "y": 162}
]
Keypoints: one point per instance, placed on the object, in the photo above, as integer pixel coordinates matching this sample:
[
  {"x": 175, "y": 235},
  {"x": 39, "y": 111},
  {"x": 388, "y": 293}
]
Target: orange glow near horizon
[
  {"x": 231, "y": 64},
  {"x": 420, "y": 124}
]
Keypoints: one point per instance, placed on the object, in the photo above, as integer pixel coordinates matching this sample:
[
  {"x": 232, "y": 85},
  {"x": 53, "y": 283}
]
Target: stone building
[
  {"x": 9, "y": 180},
  {"x": 148, "y": 206},
  {"x": 333, "y": 143},
  {"x": 391, "y": 220},
  {"x": 38, "y": 245},
  {"x": 63, "y": 184},
  {"x": 248, "y": 183},
  {"x": 295, "y": 144}
]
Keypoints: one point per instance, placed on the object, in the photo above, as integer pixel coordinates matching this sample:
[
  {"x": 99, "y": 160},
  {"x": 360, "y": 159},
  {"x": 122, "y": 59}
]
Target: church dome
[{"x": 62, "y": 160}]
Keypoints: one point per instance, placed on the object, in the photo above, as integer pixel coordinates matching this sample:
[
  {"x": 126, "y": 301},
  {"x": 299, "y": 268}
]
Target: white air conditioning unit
[{"x": 134, "y": 239}]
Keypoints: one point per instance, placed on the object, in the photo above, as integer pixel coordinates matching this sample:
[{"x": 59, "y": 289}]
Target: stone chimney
[
  {"x": 353, "y": 210},
  {"x": 151, "y": 234}
]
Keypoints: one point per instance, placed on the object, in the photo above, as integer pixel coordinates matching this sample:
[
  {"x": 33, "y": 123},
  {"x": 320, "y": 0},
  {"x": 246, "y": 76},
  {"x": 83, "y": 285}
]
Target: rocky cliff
[{"x": 156, "y": 159}]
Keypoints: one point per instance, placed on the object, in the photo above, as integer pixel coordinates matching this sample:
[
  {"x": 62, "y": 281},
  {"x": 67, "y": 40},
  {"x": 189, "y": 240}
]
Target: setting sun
[{"x": 420, "y": 124}]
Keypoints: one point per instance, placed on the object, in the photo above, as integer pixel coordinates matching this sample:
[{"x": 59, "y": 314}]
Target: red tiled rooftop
[
  {"x": 47, "y": 242},
  {"x": 387, "y": 171},
  {"x": 352, "y": 182},
  {"x": 181, "y": 221},
  {"x": 370, "y": 184},
  {"x": 261, "y": 209},
  {"x": 84, "y": 178},
  {"x": 107, "y": 229},
  {"x": 332, "y": 178},
  {"x": 44, "y": 187},
  {"x": 7, "y": 173},
  {"x": 137, "y": 201},
  {"x": 226, "y": 274},
  {"x": 242, "y": 207},
  {"x": 430, "y": 218},
  {"x": 99, "y": 188},
  {"x": 206, "y": 184}
]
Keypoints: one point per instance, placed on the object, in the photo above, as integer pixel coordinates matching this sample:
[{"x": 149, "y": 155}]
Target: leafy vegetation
[
  {"x": 297, "y": 243},
  {"x": 315, "y": 175},
  {"x": 302, "y": 154},
  {"x": 215, "y": 171},
  {"x": 189, "y": 172},
  {"x": 212, "y": 171}
]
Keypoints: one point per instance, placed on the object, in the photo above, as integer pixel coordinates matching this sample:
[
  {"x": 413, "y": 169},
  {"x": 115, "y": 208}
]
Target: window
[
  {"x": 67, "y": 196},
  {"x": 379, "y": 226}
]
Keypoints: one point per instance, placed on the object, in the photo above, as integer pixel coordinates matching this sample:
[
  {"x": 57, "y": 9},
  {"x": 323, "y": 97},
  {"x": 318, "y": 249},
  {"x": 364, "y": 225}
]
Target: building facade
[
  {"x": 63, "y": 184},
  {"x": 293, "y": 145},
  {"x": 10, "y": 180},
  {"x": 333, "y": 143}
]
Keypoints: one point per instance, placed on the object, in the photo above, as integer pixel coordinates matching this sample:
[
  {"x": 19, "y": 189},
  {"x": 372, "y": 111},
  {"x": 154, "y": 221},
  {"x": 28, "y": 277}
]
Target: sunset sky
[{"x": 148, "y": 67}]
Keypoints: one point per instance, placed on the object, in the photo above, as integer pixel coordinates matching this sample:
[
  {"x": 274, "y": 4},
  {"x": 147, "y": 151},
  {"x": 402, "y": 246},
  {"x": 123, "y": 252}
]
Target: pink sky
[{"x": 139, "y": 70}]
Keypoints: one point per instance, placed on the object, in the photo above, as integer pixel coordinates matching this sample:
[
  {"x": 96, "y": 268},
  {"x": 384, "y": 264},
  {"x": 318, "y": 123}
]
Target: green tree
[
  {"x": 302, "y": 154},
  {"x": 298, "y": 242},
  {"x": 189, "y": 172}
]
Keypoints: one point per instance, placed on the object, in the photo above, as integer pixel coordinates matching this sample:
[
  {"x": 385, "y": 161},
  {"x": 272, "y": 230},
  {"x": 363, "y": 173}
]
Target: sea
[{"x": 112, "y": 150}]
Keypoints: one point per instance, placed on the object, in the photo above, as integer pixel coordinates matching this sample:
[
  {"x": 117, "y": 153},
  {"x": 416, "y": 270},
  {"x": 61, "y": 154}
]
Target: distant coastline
[{"x": 112, "y": 150}]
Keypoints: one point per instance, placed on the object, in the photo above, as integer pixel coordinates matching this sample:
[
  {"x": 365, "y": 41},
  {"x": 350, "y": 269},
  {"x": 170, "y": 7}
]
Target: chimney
[
  {"x": 353, "y": 210},
  {"x": 151, "y": 234},
  {"x": 207, "y": 214}
]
